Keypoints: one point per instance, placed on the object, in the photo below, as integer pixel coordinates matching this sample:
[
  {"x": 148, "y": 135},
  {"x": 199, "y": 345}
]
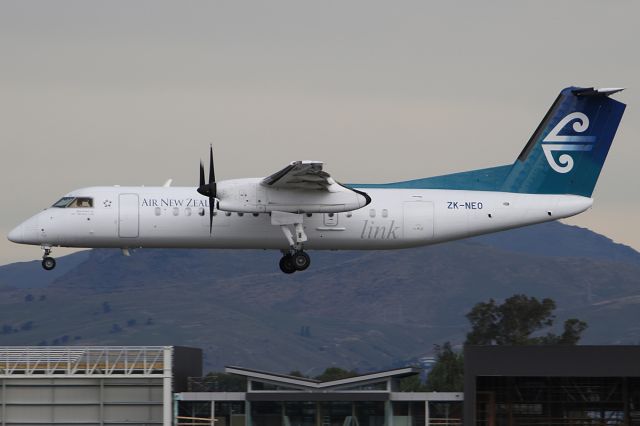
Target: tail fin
[{"x": 566, "y": 152}]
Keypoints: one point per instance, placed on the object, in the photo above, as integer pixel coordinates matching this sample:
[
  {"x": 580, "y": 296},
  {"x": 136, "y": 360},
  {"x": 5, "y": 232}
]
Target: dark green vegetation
[
  {"x": 519, "y": 320},
  {"x": 356, "y": 310}
]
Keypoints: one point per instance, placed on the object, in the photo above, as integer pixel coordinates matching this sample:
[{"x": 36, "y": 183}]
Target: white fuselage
[{"x": 177, "y": 217}]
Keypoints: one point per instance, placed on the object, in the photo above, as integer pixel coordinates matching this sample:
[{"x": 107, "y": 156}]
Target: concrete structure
[
  {"x": 112, "y": 385},
  {"x": 552, "y": 385},
  {"x": 275, "y": 400}
]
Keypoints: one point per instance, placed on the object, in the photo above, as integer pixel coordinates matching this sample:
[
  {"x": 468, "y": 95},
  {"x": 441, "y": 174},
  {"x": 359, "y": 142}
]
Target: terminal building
[
  {"x": 271, "y": 399},
  {"x": 107, "y": 385},
  {"x": 153, "y": 385},
  {"x": 552, "y": 385}
]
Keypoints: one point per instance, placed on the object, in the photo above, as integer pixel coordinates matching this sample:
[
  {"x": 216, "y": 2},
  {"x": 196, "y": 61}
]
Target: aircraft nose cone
[{"x": 17, "y": 234}]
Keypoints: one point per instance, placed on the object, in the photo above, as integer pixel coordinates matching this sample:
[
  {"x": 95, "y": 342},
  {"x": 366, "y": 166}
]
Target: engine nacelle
[{"x": 251, "y": 196}]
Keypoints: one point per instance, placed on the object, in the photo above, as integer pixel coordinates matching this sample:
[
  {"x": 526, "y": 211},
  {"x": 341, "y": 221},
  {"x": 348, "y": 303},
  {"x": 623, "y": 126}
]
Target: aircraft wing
[{"x": 301, "y": 175}]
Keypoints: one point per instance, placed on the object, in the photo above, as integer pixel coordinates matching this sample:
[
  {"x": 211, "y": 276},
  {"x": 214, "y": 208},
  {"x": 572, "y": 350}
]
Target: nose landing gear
[{"x": 48, "y": 262}]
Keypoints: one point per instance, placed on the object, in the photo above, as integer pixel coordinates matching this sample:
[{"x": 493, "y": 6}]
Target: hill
[{"x": 364, "y": 310}]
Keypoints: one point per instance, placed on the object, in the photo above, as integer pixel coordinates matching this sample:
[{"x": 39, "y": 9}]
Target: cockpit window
[
  {"x": 74, "y": 203},
  {"x": 63, "y": 202},
  {"x": 81, "y": 203}
]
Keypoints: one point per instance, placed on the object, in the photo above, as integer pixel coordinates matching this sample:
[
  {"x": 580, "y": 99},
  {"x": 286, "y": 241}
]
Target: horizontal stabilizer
[{"x": 591, "y": 91}]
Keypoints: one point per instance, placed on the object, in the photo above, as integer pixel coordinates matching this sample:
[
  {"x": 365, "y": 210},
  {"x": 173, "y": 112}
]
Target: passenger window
[
  {"x": 201, "y": 211},
  {"x": 240, "y": 214},
  {"x": 385, "y": 213},
  {"x": 256, "y": 214},
  {"x": 309, "y": 214},
  {"x": 331, "y": 214},
  {"x": 176, "y": 211},
  {"x": 158, "y": 211},
  {"x": 372, "y": 213},
  {"x": 187, "y": 211},
  {"x": 349, "y": 214},
  {"x": 227, "y": 213}
]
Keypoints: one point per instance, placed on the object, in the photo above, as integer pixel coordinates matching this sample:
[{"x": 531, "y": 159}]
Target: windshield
[
  {"x": 63, "y": 202},
  {"x": 74, "y": 202}
]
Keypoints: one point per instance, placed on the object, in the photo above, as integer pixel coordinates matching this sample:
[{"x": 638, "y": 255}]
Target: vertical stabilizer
[{"x": 566, "y": 152}]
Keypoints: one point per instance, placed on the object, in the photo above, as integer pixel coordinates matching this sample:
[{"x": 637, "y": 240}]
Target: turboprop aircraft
[{"x": 303, "y": 207}]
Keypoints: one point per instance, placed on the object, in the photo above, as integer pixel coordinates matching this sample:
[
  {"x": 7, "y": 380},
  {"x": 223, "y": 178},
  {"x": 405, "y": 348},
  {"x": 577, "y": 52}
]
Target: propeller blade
[
  {"x": 211, "y": 201},
  {"x": 201, "y": 174},
  {"x": 212, "y": 175}
]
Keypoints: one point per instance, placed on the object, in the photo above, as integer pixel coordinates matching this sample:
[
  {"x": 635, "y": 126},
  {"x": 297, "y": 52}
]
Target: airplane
[{"x": 302, "y": 207}]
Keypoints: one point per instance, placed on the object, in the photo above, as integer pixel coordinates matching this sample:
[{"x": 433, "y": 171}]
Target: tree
[
  {"x": 297, "y": 373},
  {"x": 412, "y": 384},
  {"x": 520, "y": 320},
  {"x": 335, "y": 373},
  {"x": 516, "y": 322},
  {"x": 447, "y": 374}
]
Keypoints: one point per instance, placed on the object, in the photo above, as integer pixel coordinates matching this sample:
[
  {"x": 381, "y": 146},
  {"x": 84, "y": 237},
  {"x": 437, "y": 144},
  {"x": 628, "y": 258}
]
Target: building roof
[{"x": 304, "y": 382}]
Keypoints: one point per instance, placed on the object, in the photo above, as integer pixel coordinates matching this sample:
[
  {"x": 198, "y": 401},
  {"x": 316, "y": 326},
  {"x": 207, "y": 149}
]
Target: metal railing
[{"x": 81, "y": 360}]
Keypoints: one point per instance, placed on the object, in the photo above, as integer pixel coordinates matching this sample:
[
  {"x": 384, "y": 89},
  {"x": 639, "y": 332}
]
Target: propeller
[{"x": 209, "y": 189}]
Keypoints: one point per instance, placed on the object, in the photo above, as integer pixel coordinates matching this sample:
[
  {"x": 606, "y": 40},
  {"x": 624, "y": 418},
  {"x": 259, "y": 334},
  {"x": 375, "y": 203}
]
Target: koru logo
[{"x": 555, "y": 142}]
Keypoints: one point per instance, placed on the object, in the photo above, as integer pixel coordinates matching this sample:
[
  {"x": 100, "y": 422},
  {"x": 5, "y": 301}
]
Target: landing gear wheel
[
  {"x": 48, "y": 263},
  {"x": 286, "y": 264},
  {"x": 301, "y": 260}
]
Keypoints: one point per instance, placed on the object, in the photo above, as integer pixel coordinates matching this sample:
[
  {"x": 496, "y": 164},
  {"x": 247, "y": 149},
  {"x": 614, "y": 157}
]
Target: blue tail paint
[
  {"x": 566, "y": 152},
  {"x": 563, "y": 156}
]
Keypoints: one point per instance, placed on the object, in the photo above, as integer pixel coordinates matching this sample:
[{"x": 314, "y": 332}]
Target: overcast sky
[{"x": 132, "y": 92}]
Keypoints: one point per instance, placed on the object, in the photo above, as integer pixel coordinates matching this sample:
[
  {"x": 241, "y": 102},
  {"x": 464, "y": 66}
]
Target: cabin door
[
  {"x": 418, "y": 220},
  {"x": 128, "y": 216}
]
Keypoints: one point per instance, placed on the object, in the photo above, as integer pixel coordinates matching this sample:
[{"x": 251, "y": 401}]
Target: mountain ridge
[{"x": 362, "y": 310}]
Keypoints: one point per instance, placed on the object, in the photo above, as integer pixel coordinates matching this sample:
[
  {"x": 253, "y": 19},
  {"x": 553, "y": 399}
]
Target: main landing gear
[
  {"x": 296, "y": 261},
  {"x": 48, "y": 262}
]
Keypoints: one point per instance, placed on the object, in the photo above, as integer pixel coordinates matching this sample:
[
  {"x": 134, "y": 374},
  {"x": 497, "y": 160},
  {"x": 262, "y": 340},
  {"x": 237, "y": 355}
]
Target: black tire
[
  {"x": 48, "y": 263},
  {"x": 286, "y": 264},
  {"x": 301, "y": 261}
]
